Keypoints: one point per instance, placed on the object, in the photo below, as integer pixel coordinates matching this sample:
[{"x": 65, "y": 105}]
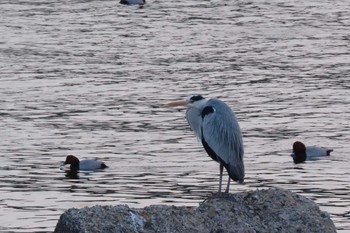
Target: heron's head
[
  {"x": 194, "y": 98},
  {"x": 190, "y": 101}
]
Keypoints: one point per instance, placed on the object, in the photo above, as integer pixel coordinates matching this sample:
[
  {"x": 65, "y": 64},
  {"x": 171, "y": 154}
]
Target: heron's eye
[{"x": 196, "y": 98}]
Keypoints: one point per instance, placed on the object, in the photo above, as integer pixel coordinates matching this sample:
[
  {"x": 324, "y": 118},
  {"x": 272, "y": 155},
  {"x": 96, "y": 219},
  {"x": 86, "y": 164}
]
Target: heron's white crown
[
  {"x": 188, "y": 98},
  {"x": 199, "y": 104}
]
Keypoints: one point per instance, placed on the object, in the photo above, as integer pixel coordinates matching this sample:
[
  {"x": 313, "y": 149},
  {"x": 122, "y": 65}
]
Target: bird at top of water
[
  {"x": 216, "y": 126},
  {"x": 301, "y": 153},
  {"x": 133, "y": 2},
  {"x": 85, "y": 165}
]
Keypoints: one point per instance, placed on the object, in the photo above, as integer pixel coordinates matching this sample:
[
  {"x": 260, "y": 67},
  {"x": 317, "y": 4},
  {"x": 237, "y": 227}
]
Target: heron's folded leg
[
  {"x": 220, "y": 181},
  {"x": 228, "y": 185}
]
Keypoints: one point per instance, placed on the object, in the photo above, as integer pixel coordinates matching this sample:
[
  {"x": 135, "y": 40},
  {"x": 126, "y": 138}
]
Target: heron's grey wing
[
  {"x": 194, "y": 119},
  {"x": 222, "y": 133}
]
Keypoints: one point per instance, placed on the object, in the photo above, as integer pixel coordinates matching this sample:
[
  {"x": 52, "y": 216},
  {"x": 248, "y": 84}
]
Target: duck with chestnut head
[
  {"x": 302, "y": 153},
  {"x": 84, "y": 165}
]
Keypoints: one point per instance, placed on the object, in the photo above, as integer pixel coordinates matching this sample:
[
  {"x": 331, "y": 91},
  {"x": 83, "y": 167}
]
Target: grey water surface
[{"x": 90, "y": 77}]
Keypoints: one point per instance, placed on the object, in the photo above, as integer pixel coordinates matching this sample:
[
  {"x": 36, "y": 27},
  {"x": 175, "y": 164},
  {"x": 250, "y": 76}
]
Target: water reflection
[{"x": 72, "y": 174}]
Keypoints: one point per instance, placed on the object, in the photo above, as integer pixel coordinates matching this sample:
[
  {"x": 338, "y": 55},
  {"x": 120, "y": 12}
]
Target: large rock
[{"x": 272, "y": 210}]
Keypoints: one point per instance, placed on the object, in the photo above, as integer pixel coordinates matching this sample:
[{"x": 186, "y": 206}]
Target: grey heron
[{"x": 216, "y": 126}]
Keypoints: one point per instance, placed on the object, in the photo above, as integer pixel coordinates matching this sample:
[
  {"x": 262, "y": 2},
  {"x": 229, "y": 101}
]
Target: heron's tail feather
[{"x": 236, "y": 172}]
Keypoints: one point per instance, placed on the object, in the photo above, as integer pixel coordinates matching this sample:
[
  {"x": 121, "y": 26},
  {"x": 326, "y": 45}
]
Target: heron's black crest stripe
[
  {"x": 207, "y": 110},
  {"x": 196, "y": 98}
]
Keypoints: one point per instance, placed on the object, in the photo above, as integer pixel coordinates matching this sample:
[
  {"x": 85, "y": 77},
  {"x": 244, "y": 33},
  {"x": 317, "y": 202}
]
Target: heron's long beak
[{"x": 177, "y": 103}]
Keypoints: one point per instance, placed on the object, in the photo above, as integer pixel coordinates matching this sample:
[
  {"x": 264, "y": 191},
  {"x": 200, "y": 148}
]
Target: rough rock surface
[{"x": 271, "y": 210}]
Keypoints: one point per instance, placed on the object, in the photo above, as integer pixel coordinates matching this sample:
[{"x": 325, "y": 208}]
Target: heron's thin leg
[
  {"x": 228, "y": 185},
  {"x": 220, "y": 181}
]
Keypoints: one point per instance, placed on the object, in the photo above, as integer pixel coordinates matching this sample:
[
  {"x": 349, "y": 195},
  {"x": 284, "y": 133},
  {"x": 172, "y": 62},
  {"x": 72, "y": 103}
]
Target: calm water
[{"x": 89, "y": 78}]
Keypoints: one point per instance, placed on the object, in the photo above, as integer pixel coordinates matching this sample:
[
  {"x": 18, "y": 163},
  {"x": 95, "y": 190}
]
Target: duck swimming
[
  {"x": 85, "y": 165},
  {"x": 301, "y": 153},
  {"x": 133, "y": 2}
]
